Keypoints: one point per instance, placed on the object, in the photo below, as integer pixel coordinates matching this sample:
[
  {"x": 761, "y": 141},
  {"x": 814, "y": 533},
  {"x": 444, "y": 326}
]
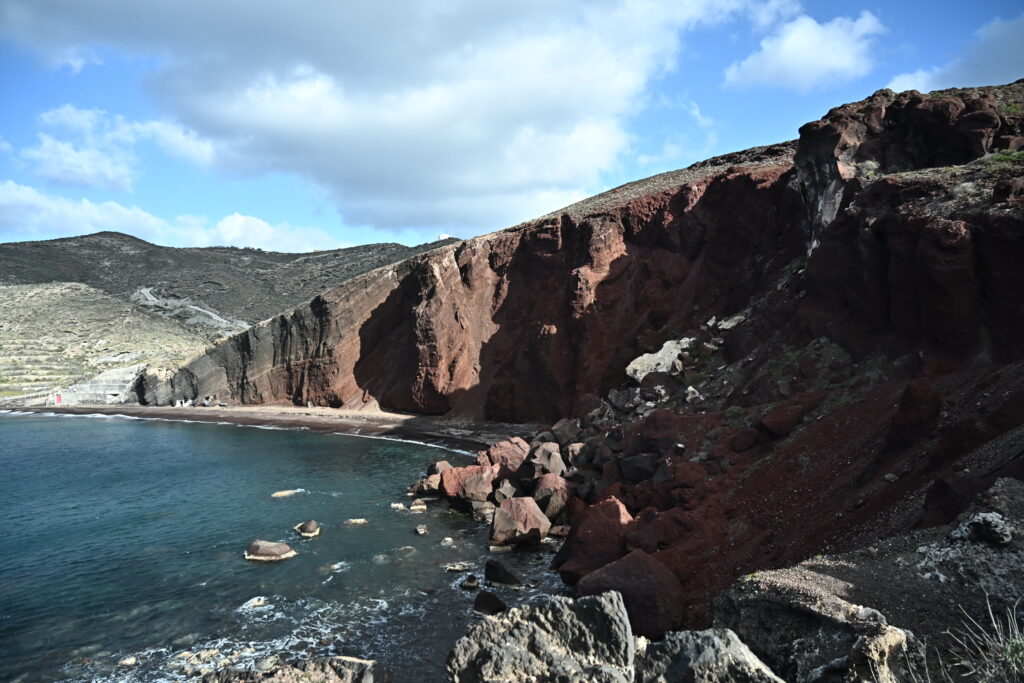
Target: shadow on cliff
[{"x": 576, "y": 301}]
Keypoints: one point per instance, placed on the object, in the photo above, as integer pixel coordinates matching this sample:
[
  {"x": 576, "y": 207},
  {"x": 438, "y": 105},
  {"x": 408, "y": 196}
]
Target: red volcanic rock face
[{"x": 565, "y": 301}]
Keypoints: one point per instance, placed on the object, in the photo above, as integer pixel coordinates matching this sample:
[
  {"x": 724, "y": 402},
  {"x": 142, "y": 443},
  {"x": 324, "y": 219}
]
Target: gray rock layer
[{"x": 560, "y": 640}]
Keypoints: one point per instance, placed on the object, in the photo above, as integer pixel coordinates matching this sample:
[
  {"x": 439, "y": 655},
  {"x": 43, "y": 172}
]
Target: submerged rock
[
  {"x": 497, "y": 573},
  {"x": 487, "y": 602},
  {"x": 558, "y": 640},
  {"x": 309, "y": 529},
  {"x": 268, "y": 551}
]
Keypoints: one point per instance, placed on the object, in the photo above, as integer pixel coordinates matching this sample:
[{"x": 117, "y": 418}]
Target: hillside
[
  {"x": 54, "y": 335},
  {"x": 218, "y": 290}
]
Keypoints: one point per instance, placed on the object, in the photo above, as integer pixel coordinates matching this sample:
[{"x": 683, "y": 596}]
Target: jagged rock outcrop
[
  {"x": 559, "y": 639},
  {"x": 456, "y": 330}
]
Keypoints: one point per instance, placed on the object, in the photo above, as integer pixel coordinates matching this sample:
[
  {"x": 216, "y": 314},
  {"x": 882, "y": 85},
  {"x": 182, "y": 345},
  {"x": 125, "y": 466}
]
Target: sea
[{"x": 123, "y": 539}]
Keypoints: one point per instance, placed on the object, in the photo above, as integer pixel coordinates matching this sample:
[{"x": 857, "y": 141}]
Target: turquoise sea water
[{"x": 125, "y": 537}]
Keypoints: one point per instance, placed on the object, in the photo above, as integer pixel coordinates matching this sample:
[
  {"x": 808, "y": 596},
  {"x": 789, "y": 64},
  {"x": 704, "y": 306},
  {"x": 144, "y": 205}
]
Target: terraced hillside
[
  {"x": 218, "y": 290},
  {"x": 58, "y": 334}
]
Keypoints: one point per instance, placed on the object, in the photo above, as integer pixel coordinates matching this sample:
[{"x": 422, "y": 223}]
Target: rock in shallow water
[
  {"x": 268, "y": 551},
  {"x": 561, "y": 639}
]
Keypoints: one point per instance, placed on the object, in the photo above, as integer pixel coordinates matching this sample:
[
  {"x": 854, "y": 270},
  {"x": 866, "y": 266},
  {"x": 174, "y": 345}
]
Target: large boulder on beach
[
  {"x": 652, "y": 594},
  {"x": 268, "y": 551},
  {"x": 308, "y": 529},
  {"x": 517, "y": 521},
  {"x": 473, "y": 483},
  {"x": 559, "y": 639}
]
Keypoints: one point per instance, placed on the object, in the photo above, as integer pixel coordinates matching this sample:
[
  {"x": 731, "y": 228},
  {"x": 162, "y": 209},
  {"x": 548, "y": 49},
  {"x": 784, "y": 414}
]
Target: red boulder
[
  {"x": 653, "y": 596},
  {"x": 518, "y": 521}
]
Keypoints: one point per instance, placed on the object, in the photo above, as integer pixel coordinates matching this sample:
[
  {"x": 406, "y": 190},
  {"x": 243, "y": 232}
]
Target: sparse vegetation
[{"x": 992, "y": 653}]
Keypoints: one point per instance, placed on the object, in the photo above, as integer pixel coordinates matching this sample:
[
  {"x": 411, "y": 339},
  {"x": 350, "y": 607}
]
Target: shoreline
[{"x": 463, "y": 436}]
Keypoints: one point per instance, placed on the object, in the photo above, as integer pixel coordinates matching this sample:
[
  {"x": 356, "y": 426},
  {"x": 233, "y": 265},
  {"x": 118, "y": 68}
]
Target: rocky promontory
[{"x": 805, "y": 350}]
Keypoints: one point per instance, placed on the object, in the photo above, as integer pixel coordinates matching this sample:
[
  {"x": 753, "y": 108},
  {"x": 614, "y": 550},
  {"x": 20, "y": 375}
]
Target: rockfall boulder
[{"x": 517, "y": 521}]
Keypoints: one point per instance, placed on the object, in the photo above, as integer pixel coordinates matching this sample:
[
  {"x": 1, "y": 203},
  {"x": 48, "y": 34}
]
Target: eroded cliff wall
[{"x": 887, "y": 247}]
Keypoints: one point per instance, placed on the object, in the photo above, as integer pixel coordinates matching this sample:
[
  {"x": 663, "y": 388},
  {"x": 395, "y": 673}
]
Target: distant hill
[
  {"x": 57, "y": 334},
  {"x": 73, "y": 308},
  {"x": 216, "y": 289}
]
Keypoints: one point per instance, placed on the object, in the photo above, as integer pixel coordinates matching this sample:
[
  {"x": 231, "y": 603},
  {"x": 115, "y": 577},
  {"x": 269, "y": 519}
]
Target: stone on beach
[
  {"x": 308, "y": 529},
  {"x": 268, "y": 551}
]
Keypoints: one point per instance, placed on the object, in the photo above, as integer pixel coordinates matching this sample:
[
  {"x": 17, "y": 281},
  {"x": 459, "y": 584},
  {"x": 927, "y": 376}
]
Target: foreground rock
[
  {"x": 268, "y": 551},
  {"x": 317, "y": 670},
  {"x": 562, "y": 639},
  {"x": 712, "y": 656},
  {"x": 309, "y": 529}
]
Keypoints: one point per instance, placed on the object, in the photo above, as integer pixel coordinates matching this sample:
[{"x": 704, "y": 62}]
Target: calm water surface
[{"x": 125, "y": 536}]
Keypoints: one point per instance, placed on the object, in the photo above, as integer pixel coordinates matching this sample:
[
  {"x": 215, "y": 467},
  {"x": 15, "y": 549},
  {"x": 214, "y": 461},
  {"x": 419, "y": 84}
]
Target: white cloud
[
  {"x": 74, "y": 59},
  {"x": 63, "y": 163},
  {"x": 27, "y": 213},
  {"x": 995, "y": 57},
  {"x": 767, "y": 14},
  {"x": 461, "y": 115},
  {"x": 101, "y": 154},
  {"x": 804, "y": 54},
  {"x": 5, "y": 147}
]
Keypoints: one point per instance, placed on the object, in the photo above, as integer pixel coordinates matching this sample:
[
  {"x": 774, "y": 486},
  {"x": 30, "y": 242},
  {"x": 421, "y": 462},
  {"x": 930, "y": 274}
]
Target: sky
[{"x": 326, "y": 124}]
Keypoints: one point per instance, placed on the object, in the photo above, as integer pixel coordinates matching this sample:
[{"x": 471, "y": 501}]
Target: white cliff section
[{"x": 663, "y": 360}]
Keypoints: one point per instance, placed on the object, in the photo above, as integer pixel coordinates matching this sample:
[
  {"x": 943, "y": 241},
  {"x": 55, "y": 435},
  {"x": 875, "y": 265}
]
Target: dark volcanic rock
[
  {"x": 558, "y": 640},
  {"x": 711, "y": 656},
  {"x": 487, "y": 602},
  {"x": 497, "y": 573},
  {"x": 652, "y": 594},
  {"x": 598, "y": 537}
]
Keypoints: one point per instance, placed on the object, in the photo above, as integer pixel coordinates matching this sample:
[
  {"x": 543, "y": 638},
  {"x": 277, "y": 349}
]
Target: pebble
[
  {"x": 421, "y": 529},
  {"x": 128, "y": 661},
  {"x": 447, "y": 541}
]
